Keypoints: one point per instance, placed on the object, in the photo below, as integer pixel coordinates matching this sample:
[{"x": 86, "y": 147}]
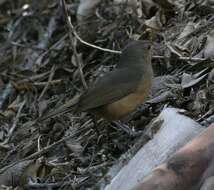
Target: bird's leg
[
  {"x": 94, "y": 119},
  {"x": 127, "y": 129}
]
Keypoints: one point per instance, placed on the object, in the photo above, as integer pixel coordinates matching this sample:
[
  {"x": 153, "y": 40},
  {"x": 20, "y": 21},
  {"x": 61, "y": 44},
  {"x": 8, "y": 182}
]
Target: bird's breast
[{"x": 127, "y": 104}]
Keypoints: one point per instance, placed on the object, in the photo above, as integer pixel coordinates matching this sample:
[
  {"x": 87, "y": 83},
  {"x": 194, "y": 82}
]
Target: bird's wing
[{"x": 110, "y": 88}]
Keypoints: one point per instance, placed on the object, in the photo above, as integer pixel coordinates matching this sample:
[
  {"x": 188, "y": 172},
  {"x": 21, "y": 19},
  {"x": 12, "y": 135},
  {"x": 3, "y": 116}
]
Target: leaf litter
[{"x": 40, "y": 69}]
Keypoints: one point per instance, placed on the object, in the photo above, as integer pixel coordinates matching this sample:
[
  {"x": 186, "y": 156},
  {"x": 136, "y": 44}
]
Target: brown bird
[{"x": 120, "y": 91}]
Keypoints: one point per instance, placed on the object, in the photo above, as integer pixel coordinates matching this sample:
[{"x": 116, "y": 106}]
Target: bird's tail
[{"x": 65, "y": 108}]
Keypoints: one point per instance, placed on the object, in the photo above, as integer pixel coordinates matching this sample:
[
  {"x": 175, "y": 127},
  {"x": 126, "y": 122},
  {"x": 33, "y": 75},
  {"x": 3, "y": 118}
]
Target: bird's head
[{"x": 136, "y": 53}]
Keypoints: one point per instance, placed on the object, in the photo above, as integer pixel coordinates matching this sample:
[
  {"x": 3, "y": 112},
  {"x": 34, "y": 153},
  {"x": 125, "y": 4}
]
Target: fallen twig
[
  {"x": 70, "y": 28},
  {"x": 12, "y": 129}
]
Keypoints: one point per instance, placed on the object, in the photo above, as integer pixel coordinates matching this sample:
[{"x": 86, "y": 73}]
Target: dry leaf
[
  {"x": 208, "y": 49},
  {"x": 86, "y": 9},
  {"x": 18, "y": 174},
  {"x": 135, "y": 5},
  {"x": 189, "y": 80},
  {"x": 157, "y": 21}
]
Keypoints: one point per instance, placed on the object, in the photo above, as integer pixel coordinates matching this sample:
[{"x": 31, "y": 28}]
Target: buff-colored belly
[{"x": 126, "y": 105}]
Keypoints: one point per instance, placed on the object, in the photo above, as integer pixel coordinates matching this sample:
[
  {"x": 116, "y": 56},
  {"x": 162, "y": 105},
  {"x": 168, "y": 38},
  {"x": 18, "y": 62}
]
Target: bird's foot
[{"x": 127, "y": 129}]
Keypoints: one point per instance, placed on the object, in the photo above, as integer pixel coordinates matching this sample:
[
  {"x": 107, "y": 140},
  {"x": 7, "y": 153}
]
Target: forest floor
[{"x": 42, "y": 66}]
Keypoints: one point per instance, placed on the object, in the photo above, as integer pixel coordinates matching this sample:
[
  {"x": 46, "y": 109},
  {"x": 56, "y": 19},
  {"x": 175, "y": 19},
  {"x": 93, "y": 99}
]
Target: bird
[{"x": 119, "y": 92}]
